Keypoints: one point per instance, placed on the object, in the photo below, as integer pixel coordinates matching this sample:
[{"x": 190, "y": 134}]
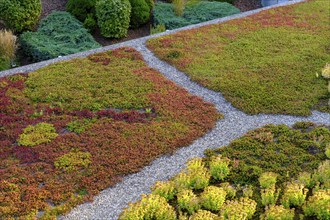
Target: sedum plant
[
  {"x": 269, "y": 196},
  {"x": 164, "y": 189},
  {"x": 267, "y": 180},
  {"x": 198, "y": 174},
  {"x": 306, "y": 179},
  {"x": 238, "y": 209},
  {"x": 187, "y": 200},
  {"x": 219, "y": 167},
  {"x": 213, "y": 198},
  {"x": 277, "y": 212},
  {"x": 322, "y": 174},
  {"x": 318, "y": 205},
  {"x": 203, "y": 215},
  {"x": 73, "y": 161},
  {"x": 150, "y": 207},
  {"x": 294, "y": 195},
  {"x": 37, "y": 134},
  {"x": 230, "y": 190}
]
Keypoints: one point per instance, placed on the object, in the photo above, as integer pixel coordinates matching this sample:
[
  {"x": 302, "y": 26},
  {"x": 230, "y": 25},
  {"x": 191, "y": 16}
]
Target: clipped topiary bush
[
  {"x": 113, "y": 17},
  {"x": 140, "y": 13},
  {"x": 81, "y": 8},
  {"x": 59, "y": 34},
  {"x": 20, "y": 15},
  {"x": 37, "y": 134},
  {"x": 192, "y": 14}
]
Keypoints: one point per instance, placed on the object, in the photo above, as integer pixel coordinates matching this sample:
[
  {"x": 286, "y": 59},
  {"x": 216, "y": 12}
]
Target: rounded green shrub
[
  {"x": 140, "y": 13},
  {"x": 164, "y": 189},
  {"x": 37, "y": 134},
  {"x": 150, "y": 207},
  {"x": 318, "y": 205},
  {"x": 113, "y": 17},
  {"x": 213, "y": 198},
  {"x": 188, "y": 201},
  {"x": 219, "y": 167},
  {"x": 238, "y": 209},
  {"x": 20, "y": 15},
  {"x": 275, "y": 212},
  {"x": 267, "y": 180},
  {"x": 81, "y": 8},
  {"x": 294, "y": 195}
]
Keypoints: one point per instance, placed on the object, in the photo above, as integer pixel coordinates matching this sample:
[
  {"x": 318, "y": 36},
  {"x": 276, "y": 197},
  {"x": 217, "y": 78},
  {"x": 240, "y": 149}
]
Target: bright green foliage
[
  {"x": 80, "y": 126},
  {"x": 318, "y": 205},
  {"x": 151, "y": 4},
  {"x": 294, "y": 195},
  {"x": 267, "y": 180},
  {"x": 37, "y": 134},
  {"x": 164, "y": 189},
  {"x": 327, "y": 151},
  {"x": 203, "y": 215},
  {"x": 164, "y": 13},
  {"x": 81, "y": 8},
  {"x": 20, "y": 15},
  {"x": 269, "y": 196},
  {"x": 181, "y": 181},
  {"x": 238, "y": 209},
  {"x": 178, "y": 7},
  {"x": 4, "y": 63},
  {"x": 219, "y": 167},
  {"x": 58, "y": 34},
  {"x": 229, "y": 189},
  {"x": 150, "y": 207},
  {"x": 247, "y": 191},
  {"x": 90, "y": 23},
  {"x": 113, "y": 17},
  {"x": 73, "y": 161},
  {"x": 188, "y": 201},
  {"x": 199, "y": 175},
  {"x": 306, "y": 179},
  {"x": 213, "y": 198},
  {"x": 264, "y": 63},
  {"x": 322, "y": 174},
  {"x": 158, "y": 29},
  {"x": 140, "y": 13},
  {"x": 276, "y": 212},
  {"x": 80, "y": 84}
]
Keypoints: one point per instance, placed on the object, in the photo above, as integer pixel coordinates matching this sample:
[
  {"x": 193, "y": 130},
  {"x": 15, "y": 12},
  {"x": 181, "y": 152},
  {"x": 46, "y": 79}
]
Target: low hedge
[
  {"x": 193, "y": 14},
  {"x": 59, "y": 34}
]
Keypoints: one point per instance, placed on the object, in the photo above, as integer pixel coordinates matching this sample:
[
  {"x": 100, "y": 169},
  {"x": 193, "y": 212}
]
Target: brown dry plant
[{"x": 8, "y": 44}]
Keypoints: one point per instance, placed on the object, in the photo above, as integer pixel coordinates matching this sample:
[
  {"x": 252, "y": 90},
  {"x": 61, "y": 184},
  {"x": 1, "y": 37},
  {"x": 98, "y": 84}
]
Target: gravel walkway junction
[{"x": 110, "y": 202}]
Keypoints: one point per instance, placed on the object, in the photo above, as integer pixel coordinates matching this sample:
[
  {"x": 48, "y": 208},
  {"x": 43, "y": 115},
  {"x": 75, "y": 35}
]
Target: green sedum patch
[
  {"x": 73, "y": 161},
  {"x": 38, "y": 134},
  {"x": 264, "y": 63},
  {"x": 80, "y": 84}
]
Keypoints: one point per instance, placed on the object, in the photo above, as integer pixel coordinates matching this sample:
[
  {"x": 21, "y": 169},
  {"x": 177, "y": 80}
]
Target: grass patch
[
  {"x": 271, "y": 171},
  {"x": 101, "y": 117},
  {"x": 264, "y": 63}
]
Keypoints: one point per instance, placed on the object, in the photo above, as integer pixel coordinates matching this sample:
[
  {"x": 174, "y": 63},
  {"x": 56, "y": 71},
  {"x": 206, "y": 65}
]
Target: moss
[
  {"x": 38, "y": 134},
  {"x": 264, "y": 63}
]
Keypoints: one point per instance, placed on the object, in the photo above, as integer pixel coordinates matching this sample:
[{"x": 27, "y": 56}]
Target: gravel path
[{"x": 110, "y": 202}]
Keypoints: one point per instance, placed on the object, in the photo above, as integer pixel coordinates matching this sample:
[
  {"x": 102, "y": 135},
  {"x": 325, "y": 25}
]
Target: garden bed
[
  {"x": 74, "y": 128},
  {"x": 265, "y": 63},
  {"x": 273, "y": 172}
]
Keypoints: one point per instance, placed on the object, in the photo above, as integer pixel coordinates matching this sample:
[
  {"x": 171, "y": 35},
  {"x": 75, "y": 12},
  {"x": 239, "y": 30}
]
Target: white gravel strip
[{"x": 110, "y": 202}]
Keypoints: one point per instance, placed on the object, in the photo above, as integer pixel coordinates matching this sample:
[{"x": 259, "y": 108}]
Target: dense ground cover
[
  {"x": 273, "y": 172},
  {"x": 264, "y": 63},
  {"x": 74, "y": 128}
]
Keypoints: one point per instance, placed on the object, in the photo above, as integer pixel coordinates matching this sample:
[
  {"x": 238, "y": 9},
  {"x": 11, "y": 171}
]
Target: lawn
[
  {"x": 273, "y": 172},
  {"x": 74, "y": 128},
  {"x": 263, "y": 63}
]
